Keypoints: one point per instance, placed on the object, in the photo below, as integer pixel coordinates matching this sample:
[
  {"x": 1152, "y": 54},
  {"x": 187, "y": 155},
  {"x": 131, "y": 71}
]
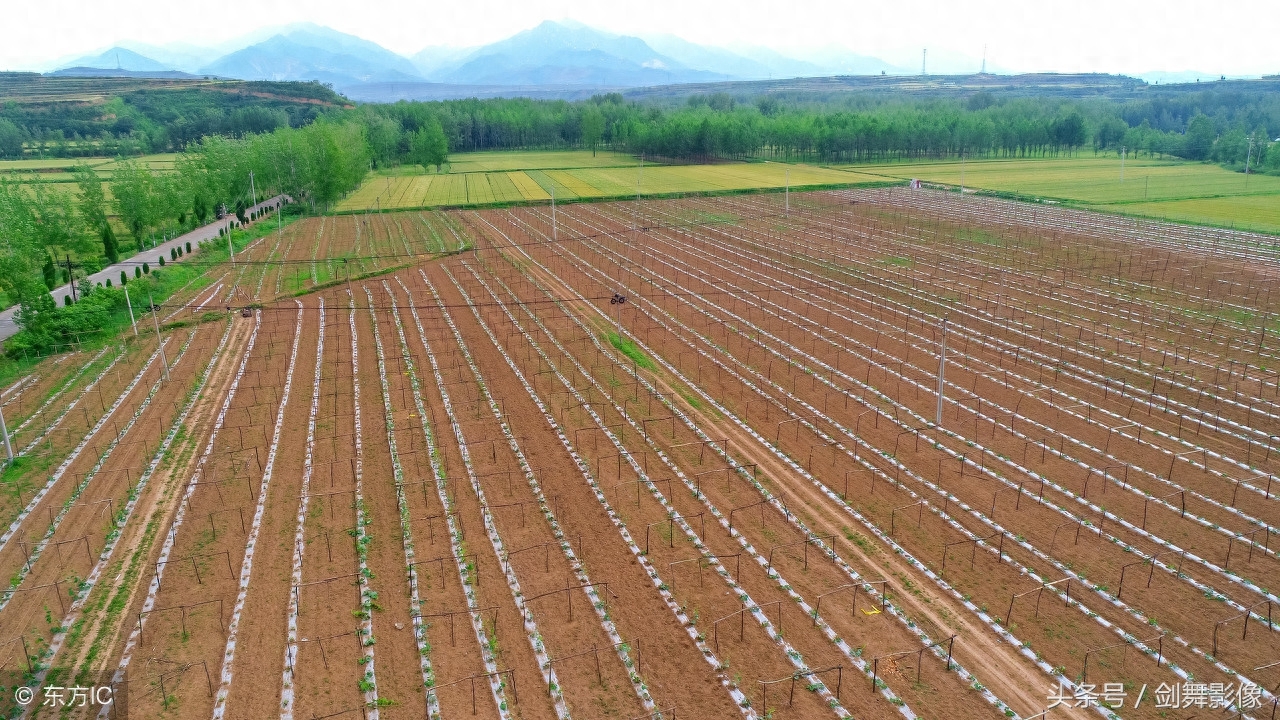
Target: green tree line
[{"x": 41, "y": 228}]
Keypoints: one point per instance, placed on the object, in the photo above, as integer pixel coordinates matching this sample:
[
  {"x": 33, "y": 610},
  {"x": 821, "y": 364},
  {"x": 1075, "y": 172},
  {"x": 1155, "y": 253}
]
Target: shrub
[
  {"x": 188, "y": 246},
  {"x": 124, "y": 278},
  {"x": 146, "y": 269},
  {"x": 161, "y": 259}
]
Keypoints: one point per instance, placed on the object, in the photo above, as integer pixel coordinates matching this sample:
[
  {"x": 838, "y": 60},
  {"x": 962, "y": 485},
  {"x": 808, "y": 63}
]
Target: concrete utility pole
[
  {"x": 8, "y": 449},
  {"x": 71, "y": 280},
  {"x": 1122, "y": 151},
  {"x": 1247, "y": 158},
  {"x": 786, "y": 195},
  {"x": 924, "y": 62},
  {"x": 230, "y": 248},
  {"x": 554, "y": 236},
  {"x": 942, "y": 367},
  {"x": 252, "y": 189},
  {"x": 159, "y": 340},
  {"x": 132, "y": 322}
]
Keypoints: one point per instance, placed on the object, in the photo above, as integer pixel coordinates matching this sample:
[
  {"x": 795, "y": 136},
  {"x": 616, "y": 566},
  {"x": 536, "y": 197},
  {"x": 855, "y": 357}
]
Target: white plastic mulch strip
[
  {"x": 367, "y": 595},
  {"x": 36, "y": 550},
  {"x": 121, "y": 520},
  {"x": 894, "y": 611},
  {"x": 293, "y": 235},
  {"x": 750, "y": 605},
  {"x": 499, "y": 549},
  {"x": 927, "y": 349},
  {"x": 70, "y": 406},
  {"x": 1049, "y": 362},
  {"x": 983, "y": 469},
  {"x": 299, "y": 537},
  {"x": 853, "y": 654},
  {"x": 262, "y": 276},
  {"x": 315, "y": 249},
  {"x": 246, "y": 567},
  {"x": 579, "y": 570},
  {"x": 240, "y": 271},
  {"x": 135, "y": 635},
  {"x": 406, "y": 529},
  {"x": 22, "y": 384},
  {"x": 739, "y": 698},
  {"x": 947, "y": 518},
  {"x": 466, "y": 573},
  {"x": 213, "y": 292}
]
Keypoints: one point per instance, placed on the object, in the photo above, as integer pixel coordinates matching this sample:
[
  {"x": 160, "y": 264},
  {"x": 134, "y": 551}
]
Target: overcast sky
[{"x": 1235, "y": 37}]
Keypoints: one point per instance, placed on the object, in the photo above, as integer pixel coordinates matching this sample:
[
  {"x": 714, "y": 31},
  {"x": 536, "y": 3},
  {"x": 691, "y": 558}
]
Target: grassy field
[
  {"x": 523, "y": 177},
  {"x": 57, "y": 175},
  {"x": 1088, "y": 180},
  {"x": 49, "y": 164},
  {"x": 60, "y": 169},
  {"x": 1259, "y": 213},
  {"x": 496, "y": 161},
  {"x": 1184, "y": 191}
]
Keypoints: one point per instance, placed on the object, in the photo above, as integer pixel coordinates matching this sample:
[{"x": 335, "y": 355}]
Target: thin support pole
[
  {"x": 159, "y": 340},
  {"x": 942, "y": 366}
]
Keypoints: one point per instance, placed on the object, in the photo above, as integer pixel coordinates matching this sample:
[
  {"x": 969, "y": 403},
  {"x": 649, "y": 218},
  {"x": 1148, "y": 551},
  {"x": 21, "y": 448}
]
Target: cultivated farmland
[
  {"x": 1161, "y": 189},
  {"x": 547, "y": 173},
  {"x": 695, "y": 457}
]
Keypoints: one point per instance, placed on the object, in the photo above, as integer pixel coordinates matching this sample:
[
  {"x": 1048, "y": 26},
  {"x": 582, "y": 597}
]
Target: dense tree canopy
[{"x": 719, "y": 126}]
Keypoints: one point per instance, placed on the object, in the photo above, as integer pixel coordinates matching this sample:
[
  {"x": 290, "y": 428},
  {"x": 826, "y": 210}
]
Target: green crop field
[
  {"x": 49, "y": 164},
  {"x": 558, "y": 175},
  {"x": 536, "y": 160},
  {"x": 1087, "y": 180},
  {"x": 1260, "y": 213},
  {"x": 1174, "y": 190},
  {"x": 158, "y": 162},
  {"x": 60, "y": 169}
]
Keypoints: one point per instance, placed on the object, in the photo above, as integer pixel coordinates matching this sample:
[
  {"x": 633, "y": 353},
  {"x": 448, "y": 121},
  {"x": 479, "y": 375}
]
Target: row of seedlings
[
  {"x": 850, "y": 579},
  {"x": 150, "y": 606},
  {"x": 124, "y": 528},
  {"x": 1043, "y": 666},
  {"x": 226, "y": 672},
  {"x": 820, "y": 693},
  {"x": 598, "y": 594}
]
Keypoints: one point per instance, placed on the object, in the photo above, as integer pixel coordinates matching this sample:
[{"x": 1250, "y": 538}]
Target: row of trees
[
  {"x": 40, "y": 225},
  {"x": 720, "y": 126}
]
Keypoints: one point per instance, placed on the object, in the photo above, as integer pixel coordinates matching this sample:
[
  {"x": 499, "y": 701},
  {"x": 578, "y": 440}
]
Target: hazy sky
[{"x": 1234, "y": 37}]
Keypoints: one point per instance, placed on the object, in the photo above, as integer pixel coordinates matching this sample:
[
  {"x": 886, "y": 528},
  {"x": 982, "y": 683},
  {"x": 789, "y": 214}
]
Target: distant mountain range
[{"x": 552, "y": 59}]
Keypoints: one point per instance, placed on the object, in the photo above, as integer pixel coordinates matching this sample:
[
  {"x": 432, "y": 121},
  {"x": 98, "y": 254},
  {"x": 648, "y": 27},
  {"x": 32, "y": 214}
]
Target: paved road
[{"x": 8, "y": 325}]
